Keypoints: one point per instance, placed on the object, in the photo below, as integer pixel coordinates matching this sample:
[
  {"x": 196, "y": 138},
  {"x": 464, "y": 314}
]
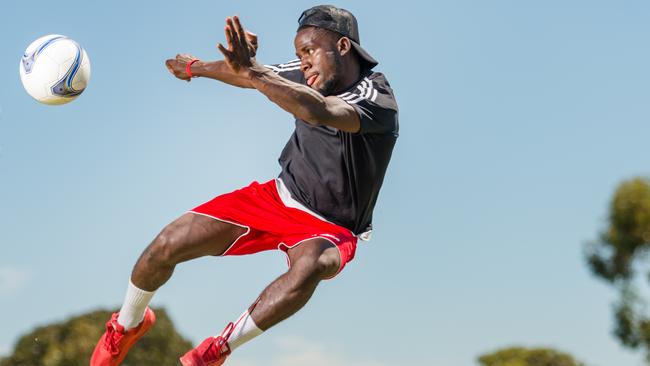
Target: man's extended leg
[
  {"x": 190, "y": 236},
  {"x": 311, "y": 261}
]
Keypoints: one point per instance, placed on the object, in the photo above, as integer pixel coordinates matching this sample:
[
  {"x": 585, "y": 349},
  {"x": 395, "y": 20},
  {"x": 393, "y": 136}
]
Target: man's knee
[
  {"x": 316, "y": 260},
  {"x": 329, "y": 263},
  {"x": 162, "y": 250}
]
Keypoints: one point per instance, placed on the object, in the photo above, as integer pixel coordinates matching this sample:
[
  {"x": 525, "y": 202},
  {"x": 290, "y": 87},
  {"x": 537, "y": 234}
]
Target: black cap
[{"x": 340, "y": 21}]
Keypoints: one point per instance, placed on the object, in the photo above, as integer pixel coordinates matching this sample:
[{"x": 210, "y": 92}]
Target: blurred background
[{"x": 519, "y": 121}]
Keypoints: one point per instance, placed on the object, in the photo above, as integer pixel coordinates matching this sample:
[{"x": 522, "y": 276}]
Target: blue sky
[{"x": 518, "y": 120}]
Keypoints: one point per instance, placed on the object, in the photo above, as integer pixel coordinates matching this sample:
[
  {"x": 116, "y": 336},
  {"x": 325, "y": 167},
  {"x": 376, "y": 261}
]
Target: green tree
[
  {"x": 70, "y": 343},
  {"x": 518, "y": 356},
  {"x": 617, "y": 259}
]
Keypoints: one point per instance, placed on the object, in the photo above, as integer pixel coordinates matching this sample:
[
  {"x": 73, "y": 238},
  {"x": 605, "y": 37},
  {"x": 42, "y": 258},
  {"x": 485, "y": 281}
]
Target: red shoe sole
[{"x": 192, "y": 359}]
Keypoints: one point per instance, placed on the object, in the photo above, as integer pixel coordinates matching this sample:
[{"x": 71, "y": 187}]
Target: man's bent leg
[
  {"x": 311, "y": 261},
  {"x": 186, "y": 238}
]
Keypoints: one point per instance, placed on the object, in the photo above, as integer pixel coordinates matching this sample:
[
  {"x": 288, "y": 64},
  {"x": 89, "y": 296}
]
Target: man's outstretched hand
[
  {"x": 242, "y": 46},
  {"x": 178, "y": 66}
]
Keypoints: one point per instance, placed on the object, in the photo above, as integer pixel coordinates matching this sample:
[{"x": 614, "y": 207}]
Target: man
[{"x": 332, "y": 169}]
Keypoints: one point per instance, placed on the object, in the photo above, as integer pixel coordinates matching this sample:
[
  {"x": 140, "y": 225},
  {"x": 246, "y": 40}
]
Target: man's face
[{"x": 320, "y": 60}]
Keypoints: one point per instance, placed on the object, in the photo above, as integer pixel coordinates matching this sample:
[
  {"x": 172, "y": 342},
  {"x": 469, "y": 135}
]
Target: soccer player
[{"x": 332, "y": 169}]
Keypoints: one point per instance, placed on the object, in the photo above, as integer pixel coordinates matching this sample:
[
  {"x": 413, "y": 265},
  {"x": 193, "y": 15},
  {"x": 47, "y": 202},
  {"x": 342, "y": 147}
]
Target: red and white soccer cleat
[
  {"x": 212, "y": 351},
  {"x": 116, "y": 342}
]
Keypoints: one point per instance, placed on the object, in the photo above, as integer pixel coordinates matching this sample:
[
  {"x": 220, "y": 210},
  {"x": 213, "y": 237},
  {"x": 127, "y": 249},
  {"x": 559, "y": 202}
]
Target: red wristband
[{"x": 188, "y": 67}]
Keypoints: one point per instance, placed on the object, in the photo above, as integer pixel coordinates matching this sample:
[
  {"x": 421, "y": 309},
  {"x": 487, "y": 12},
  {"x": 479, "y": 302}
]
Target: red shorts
[{"x": 272, "y": 225}]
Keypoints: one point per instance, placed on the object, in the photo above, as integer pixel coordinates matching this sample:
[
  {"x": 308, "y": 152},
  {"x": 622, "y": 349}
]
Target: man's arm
[
  {"x": 303, "y": 102},
  {"x": 217, "y": 70}
]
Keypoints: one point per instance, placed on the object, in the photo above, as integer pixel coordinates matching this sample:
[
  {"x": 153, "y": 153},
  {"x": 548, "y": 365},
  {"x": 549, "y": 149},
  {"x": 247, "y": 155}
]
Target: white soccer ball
[{"x": 54, "y": 69}]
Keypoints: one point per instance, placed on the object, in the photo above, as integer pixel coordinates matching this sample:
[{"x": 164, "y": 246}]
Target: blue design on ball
[
  {"x": 29, "y": 59},
  {"x": 63, "y": 87}
]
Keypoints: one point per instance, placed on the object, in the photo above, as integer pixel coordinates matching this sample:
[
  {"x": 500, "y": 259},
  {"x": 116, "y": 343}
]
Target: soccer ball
[{"x": 54, "y": 69}]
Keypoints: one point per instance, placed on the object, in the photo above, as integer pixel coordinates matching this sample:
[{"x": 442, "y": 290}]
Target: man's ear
[{"x": 344, "y": 45}]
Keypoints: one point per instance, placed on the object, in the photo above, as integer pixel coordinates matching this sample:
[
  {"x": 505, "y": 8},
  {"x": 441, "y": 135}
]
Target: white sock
[
  {"x": 134, "y": 306},
  {"x": 245, "y": 330}
]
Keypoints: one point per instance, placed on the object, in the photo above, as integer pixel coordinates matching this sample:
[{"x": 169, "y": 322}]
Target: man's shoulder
[
  {"x": 378, "y": 78},
  {"x": 380, "y": 81},
  {"x": 376, "y": 75},
  {"x": 369, "y": 86}
]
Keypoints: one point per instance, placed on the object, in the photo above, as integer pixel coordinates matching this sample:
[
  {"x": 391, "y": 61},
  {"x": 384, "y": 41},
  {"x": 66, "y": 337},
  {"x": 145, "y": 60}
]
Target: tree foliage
[
  {"x": 616, "y": 259},
  {"x": 70, "y": 343},
  {"x": 518, "y": 356},
  {"x": 627, "y": 235}
]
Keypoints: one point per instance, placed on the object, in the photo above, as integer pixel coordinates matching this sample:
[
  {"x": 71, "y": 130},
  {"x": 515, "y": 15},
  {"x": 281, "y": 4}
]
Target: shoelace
[
  {"x": 220, "y": 345},
  {"x": 112, "y": 339}
]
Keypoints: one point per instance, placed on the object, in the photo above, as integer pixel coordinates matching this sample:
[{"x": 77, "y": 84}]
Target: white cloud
[
  {"x": 293, "y": 351},
  {"x": 12, "y": 279}
]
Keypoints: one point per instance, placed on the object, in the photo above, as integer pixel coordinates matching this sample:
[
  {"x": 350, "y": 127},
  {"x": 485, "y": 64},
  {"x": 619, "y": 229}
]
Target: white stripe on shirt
[
  {"x": 366, "y": 90},
  {"x": 287, "y": 66}
]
